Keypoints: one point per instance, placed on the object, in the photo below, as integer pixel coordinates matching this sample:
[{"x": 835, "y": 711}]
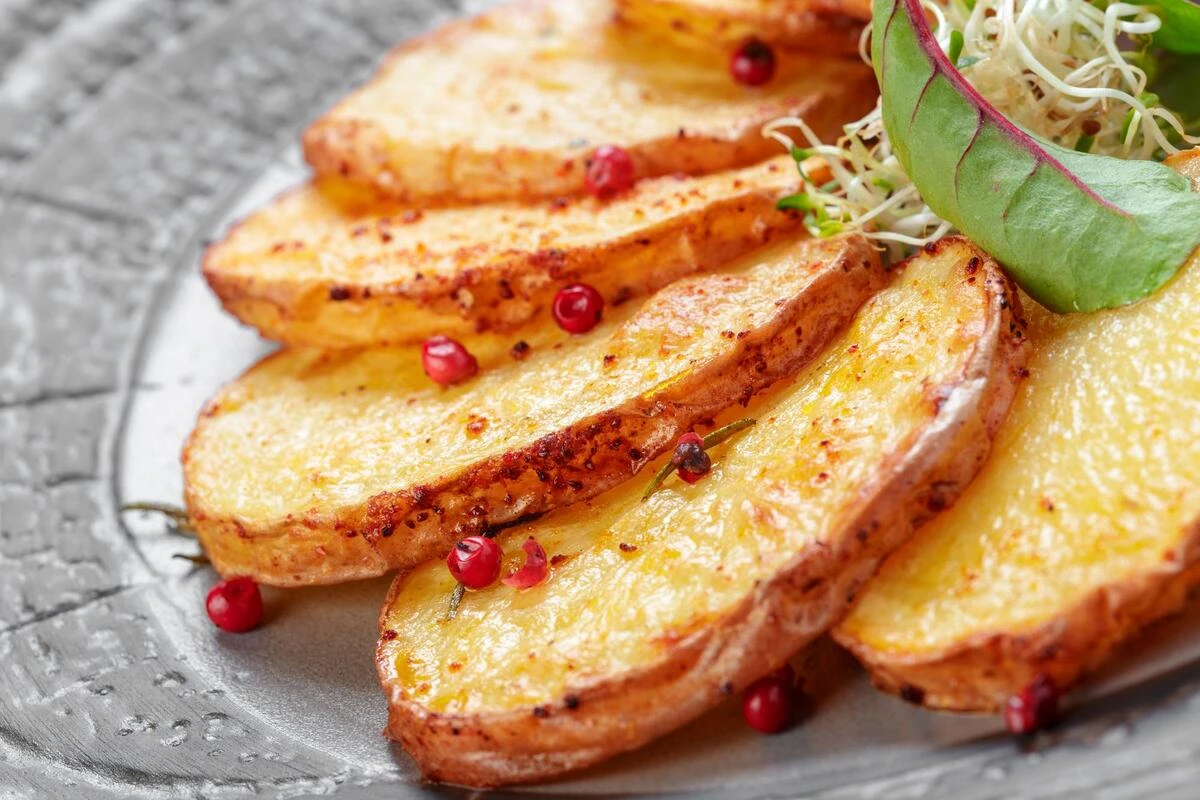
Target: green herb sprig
[{"x": 710, "y": 441}]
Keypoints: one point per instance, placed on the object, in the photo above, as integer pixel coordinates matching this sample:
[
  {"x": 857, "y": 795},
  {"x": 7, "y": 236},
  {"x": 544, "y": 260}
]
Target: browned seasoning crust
[
  {"x": 354, "y": 144},
  {"x": 344, "y": 280},
  {"x": 825, "y": 26},
  {"x": 598, "y": 719},
  {"x": 401, "y": 528},
  {"x": 980, "y": 673}
]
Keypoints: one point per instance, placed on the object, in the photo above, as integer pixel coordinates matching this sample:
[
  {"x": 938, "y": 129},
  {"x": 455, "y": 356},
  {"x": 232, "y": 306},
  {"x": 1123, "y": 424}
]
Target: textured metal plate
[{"x": 132, "y": 130}]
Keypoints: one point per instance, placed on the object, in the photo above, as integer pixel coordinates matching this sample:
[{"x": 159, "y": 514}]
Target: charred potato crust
[
  {"x": 534, "y": 87},
  {"x": 1136, "y": 541},
  {"x": 401, "y": 528},
  {"x": 979, "y": 674},
  {"x": 331, "y": 266},
  {"x": 606, "y": 715},
  {"x": 824, "y": 26}
]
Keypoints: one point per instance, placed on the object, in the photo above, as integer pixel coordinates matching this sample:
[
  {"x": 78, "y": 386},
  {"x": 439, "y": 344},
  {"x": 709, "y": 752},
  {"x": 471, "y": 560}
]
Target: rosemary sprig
[
  {"x": 455, "y": 598},
  {"x": 177, "y": 515},
  {"x": 179, "y": 526},
  {"x": 710, "y": 441},
  {"x": 491, "y": 533}
]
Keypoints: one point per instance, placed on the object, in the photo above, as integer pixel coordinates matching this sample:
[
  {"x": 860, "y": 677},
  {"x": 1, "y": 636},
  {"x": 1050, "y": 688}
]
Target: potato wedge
[
  {"x": 824, "y": 26},
  {"x": 655, "y": 611},
  {"x": 1082, "y": 529},
  {"x": 512, "y": 104},
  {"x": 331, "y": 265},
  {"x": 319, "y": 467}
]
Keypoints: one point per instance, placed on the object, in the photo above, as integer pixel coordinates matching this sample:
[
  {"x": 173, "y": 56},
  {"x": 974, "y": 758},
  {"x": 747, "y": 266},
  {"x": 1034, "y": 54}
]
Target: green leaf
[
  {"x": 1180, "y": 31},
  {"x": 1176, "y": 80},
  {"x": 831, "y": 227},
  {"x": 1077, "y": 231},
  {"x": 957, "y": 41},
  {"x": 795, "y": 202}
]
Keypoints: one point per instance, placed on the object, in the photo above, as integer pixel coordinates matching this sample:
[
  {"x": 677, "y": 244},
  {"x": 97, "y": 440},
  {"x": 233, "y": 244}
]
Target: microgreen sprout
[{"x": 1067, "y": 70}]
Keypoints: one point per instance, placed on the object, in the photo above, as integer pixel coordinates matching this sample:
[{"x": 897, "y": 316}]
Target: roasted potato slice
[
  {"x": 826, "y": 26},
  {"x": 513, "y": 103},
  {"x": 655, "y": 611},
  {"x": 332, "y": 265},
  {"x": 1082, "y": 529},
  {"x": 318, "y": 467}
]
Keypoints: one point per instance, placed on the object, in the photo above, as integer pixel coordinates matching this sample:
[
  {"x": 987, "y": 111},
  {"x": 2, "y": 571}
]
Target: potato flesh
[
  {"x": 638, "y": 576},
  {"x": 320, "y": 430},
  {"x": 723, "y": 24},
  {"x": 1095, "y": 479},
  {"x": 441, "y": 243},
  {"x": 513, "y": 103},
  {"x": 331, "y": 264}
]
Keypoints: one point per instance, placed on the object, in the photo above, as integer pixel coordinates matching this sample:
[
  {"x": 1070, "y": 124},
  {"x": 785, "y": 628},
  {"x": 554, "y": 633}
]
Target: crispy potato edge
[
  {"x": 598, "y": 720},
  {"x": 981, "y": 672},
  {"x": 501, "y": 294},
  {"x": 396, "y": 530},
  {"x": 360, "y": 151},
  {"x": 821, "y": 26}
]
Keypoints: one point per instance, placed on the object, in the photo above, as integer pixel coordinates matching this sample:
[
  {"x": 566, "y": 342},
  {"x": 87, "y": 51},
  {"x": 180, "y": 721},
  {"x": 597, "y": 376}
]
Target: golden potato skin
[
  {"x": 655, "y": 611},
  {"x": 1082, "y": 529},
  {"x": 319, "y": 467},
  {"x": 822, "y": 26},
  {"x": 334, "y": 265},
  {"x": 511, "y": 104}
]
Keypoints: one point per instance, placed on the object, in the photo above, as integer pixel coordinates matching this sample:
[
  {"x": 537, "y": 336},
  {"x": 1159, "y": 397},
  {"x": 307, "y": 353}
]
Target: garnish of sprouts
[{"x": 1068, "y": 71}]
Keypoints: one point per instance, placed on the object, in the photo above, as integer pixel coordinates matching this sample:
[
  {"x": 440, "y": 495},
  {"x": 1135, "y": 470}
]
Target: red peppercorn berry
[
  {"x": 535, "y": 569},
  {"x": 753, "y": 64},
  {"x": 475, "y": 562},
  {"x": 577, "y": 308},
  {"x": 690, "y": 460},
  {"x": 769, "y": 704},
  {"x": 446, "y": 361},
  {"x": 235, "y": 605},
  {"x": 1034, "y": 708},
  {"x": 609, "y": 172}
]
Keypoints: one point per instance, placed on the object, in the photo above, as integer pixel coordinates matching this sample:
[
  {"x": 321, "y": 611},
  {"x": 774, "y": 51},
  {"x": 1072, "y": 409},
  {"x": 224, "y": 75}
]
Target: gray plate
[{"x": 130, "y": 131}]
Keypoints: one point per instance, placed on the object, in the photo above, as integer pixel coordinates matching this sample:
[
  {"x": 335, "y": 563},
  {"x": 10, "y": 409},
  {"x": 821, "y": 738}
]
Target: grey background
[{"x": 131, "y": 131}]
